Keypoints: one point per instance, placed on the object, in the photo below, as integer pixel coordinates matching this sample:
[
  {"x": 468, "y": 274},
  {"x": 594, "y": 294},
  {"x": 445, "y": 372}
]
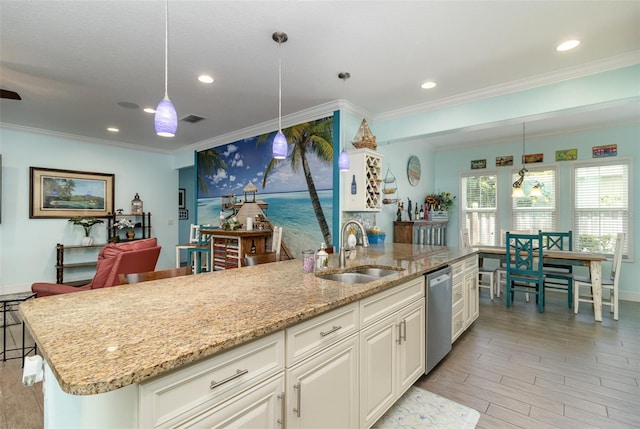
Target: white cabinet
[
  {"x": 465, "y": 295},
  {"x": 362, "y": 184},
  {"x": 472, "y": 304},
  {"x": 322, "y": 370},
  {"x": 392, "y": 347},
  {"x": 260, "y": 407},
  {"x": 322, "y": 391},
  {"x": 196, "y": 391}
]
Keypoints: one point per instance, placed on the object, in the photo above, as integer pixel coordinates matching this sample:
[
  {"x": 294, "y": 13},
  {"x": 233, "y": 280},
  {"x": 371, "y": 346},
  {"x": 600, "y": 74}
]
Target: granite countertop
[{"x": 101, "y": 340}]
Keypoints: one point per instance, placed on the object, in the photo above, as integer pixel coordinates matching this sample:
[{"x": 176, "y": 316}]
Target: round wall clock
[{"x": 413, "y": 170}]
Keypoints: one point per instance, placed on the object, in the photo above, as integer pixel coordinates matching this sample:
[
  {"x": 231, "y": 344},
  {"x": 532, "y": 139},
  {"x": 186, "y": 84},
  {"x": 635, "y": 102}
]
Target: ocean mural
[{"x": 301, "y": 203}]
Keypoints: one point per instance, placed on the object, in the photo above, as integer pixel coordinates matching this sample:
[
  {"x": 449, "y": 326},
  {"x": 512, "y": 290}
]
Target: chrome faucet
[{"x": 365, "y": 240}]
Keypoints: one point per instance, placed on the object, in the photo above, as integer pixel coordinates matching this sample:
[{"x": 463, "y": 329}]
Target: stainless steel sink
[
  {"x": 376, "y": 272},
  {"x": 359, "y": 275}
]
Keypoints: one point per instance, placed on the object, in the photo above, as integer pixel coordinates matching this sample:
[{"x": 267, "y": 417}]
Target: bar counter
[{"x": 105, "y": 339}]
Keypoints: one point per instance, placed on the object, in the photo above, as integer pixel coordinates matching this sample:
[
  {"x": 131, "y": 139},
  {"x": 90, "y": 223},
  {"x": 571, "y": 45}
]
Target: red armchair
[{"x": 114, "y": 259}]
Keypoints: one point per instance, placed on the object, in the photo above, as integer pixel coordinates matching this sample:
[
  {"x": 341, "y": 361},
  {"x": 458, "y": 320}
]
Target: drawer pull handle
[
  {"x": 283, "y": 409},
  {"x": 239, "y": 372},
  {"x": 330, "y": 331},
  {"x": 298, "y": 393}
]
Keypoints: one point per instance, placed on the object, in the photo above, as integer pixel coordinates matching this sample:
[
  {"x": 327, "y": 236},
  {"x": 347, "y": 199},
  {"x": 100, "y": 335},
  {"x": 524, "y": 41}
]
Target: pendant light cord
[
  {"x": 166, "y": 49},
  {"x": 279, "y": 87}
]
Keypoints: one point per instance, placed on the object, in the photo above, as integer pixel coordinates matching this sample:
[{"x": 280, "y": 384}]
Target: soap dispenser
[{"x": 322, "y": 258}]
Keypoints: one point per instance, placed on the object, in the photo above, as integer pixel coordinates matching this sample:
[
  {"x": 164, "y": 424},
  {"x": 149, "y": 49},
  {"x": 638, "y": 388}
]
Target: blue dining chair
[
  {"x": 200, "y": 250},
  {"x": 558, "y": 276},
  {"x": 524, "y": 267}
]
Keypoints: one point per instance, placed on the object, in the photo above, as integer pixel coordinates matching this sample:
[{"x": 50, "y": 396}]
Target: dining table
[{"x": 591, "y": 260}]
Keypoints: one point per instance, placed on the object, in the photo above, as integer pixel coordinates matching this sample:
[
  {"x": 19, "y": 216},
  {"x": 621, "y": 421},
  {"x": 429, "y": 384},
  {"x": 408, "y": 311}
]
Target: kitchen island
[{"x": 100, "y": 345}]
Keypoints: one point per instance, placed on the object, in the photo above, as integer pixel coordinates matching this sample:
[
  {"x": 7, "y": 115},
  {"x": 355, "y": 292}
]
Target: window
[
  {"x": 535, "y": 213},
  {"x": 602, "y": 197},
  {"x": 479, "y": 208}
]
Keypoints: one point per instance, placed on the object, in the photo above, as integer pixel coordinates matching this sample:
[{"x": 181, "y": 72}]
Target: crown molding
[
  {"x": 84, "y": 139},
  {"x": 310, "y": 114},
  {"x": 595, "y": 67}
]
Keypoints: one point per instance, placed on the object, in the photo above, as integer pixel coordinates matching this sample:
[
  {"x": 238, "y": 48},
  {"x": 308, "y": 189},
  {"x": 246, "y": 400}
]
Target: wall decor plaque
[{"x": 413, "y": 170}]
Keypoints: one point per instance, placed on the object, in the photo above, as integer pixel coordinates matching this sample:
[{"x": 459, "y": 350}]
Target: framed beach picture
[
  {"x": 478, "y": 163},
  {"x": 67, "y": 193},
  {"x": 504, "y": 161}
]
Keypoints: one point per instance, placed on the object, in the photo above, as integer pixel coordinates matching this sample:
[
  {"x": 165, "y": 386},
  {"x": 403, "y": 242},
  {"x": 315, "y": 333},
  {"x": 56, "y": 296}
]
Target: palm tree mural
[
  {"x": 209, "y": 162},
  {"x": 312, "y": 137}
]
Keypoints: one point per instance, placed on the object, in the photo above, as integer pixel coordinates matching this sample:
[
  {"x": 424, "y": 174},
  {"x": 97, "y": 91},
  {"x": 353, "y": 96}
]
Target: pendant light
[
  {"x": 279, "y": 146},
  {"x": 344, "y": 163},
  {"x": 517, "y": 185},
  {"x": 166, "y": 118}
]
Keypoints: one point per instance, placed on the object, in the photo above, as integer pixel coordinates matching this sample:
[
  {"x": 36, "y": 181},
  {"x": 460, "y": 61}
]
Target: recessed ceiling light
[
  {"x": 428, "y": 85},
  {"x": 569, "y": 44},
  {"x": 149, "y": 110},
  {"x": 205, "y": 78},
  {"x": 113, "y": 129}
]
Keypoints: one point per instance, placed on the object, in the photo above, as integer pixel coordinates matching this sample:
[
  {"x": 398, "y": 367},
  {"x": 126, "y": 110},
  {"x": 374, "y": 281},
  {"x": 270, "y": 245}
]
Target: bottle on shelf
[
  {"x": 354, "y": 188},
  {"x": 253, "y": 247}
]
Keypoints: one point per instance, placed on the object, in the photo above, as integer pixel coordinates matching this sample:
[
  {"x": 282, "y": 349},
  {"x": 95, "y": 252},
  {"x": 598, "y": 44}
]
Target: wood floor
[
  {"x": 524, "y": 369},
  {"x": 517, "y": 367}
]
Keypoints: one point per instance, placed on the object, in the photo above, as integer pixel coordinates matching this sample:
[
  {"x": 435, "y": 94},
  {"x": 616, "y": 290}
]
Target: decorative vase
[
  {"x": 130, "y": 235},
  {"x": 87, "y": 241}
]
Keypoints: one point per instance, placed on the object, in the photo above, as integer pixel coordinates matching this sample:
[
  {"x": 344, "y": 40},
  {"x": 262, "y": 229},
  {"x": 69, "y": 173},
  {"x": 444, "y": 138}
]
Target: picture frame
[
  {"x": 478, "y": 164},
  {"x": 183, "y": 214},
  {"x": 604, "y": 151},
  {"x": 504, "y": 161},
  {"x": 532, "y": 158},
  {"x": 567, "y": 155},
  {"x": 55, "y": 193},
  {"x": 182, "y": 198}
]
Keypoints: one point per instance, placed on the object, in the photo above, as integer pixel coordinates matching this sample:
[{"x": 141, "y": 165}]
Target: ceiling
[{"x": 73, "y": 62}]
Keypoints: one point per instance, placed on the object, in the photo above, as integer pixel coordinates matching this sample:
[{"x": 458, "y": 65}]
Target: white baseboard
[{"x": 629, "y": 296}]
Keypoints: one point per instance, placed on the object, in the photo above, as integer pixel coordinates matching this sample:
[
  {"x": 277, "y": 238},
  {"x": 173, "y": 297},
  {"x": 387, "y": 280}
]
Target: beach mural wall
[{"x": 298, "y": 189}]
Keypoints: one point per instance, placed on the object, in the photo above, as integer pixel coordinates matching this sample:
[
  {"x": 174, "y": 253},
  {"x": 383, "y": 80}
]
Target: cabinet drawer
[
  {"x": 457, "y": 324},
  {"x": 457, "y": 293},
  {"x": 183, "y": 393},
  {"x": 471, "y": 262},
  {"x": 457, "y": 268},
  {"x": 318, "y": 333},
  {"x": 386, "y": 302}
]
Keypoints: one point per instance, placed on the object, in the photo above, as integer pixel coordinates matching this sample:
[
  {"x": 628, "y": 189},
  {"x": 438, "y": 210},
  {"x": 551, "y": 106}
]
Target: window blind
[
  {"x": 601, "y": 205},
  {"x": 479, "y": 207},
  {"x": 535, "y": 213}
]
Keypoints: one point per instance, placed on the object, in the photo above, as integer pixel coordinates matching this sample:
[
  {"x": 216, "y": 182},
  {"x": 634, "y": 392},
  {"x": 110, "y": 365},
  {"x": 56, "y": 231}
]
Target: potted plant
[
  {"x": 86, "y": 223},
  {"x": 124, "y": 223},
  {"x": 438, "y": 205}
]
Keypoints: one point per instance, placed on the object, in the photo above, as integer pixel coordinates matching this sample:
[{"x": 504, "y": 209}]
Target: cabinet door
[
  {"x": 411, "y": 350},
  {"x": 259, "y": 407},
  {"x": 322, "y": 391},
  {"x": 377, "y": 367},
  {"x": 472, "y": 309}
]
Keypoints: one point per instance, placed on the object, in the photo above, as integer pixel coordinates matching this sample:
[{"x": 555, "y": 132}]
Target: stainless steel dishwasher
[{"x": 439, "y": 285}]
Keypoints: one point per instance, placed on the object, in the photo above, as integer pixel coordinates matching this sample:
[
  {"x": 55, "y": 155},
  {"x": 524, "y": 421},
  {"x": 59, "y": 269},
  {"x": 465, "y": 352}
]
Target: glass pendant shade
[
  {"x": 344, "y": 163},
  {"x": 517, "y": 193},
  {"x": 166, "y": 118},
  {"x": 536, "y": 191},
  {"x": 279, "y": 147}
]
